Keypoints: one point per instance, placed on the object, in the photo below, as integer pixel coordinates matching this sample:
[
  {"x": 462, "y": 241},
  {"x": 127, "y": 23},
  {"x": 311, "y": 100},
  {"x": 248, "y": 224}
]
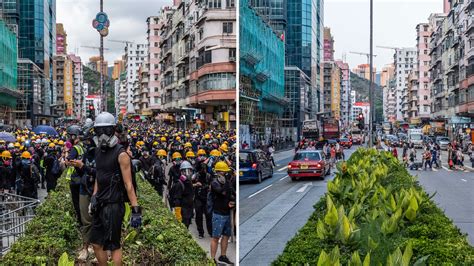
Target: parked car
[
  {"x": 403, "y": 138},
  {"x": 254, "y": 165},
  {"x": 442, "y": 142},
  {"x": 345, "y": 142},
  {"x": 308, "y": 163}
]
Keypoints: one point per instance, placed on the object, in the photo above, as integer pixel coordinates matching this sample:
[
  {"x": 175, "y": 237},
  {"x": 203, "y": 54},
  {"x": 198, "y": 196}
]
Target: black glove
[
  {"x": 93, "y": 205},
  {"x": 136, "y": 220}
]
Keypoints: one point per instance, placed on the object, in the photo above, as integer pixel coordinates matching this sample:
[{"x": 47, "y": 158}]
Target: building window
[
  {"x": 155, "y": 89},
  {"x": 232, "y": 53},
  {"x": 227, "y": 27},
  {"x": 156, "y": 45},
  {"x": 155, "y": 55},
  {"x": 214, "y": 4},
  {"x": 156, "y": 100},
  {"x": 425, "y": 51},
  {"x": 230, "y": 3},
  {"x": 157, "y": 33},
  {"x": 217, "y": 81},
  {"x": 425, "y": 97},
  {"x": 156, "y": 77}
]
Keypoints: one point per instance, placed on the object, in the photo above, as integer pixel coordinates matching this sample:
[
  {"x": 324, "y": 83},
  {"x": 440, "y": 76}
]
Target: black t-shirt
[
  {"x": 109, "y": 175},
  {"x": 222, "y": 193}
]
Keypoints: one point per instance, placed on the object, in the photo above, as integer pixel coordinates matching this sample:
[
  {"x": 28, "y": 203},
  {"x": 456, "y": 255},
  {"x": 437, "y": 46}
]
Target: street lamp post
[{"x": 371, "y": 88}]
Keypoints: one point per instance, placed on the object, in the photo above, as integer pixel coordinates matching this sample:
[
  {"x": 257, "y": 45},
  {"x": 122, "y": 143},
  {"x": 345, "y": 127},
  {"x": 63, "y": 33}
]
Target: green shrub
[
  {"x": 387, "y": 212},
  {"x": 54, "y": 231}
]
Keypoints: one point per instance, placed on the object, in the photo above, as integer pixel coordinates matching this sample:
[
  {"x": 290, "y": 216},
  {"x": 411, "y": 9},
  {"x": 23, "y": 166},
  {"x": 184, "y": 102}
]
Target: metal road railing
[{"x": 15, "y": 212}]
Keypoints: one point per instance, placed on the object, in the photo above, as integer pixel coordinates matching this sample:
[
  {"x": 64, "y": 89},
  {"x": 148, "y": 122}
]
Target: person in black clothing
[
  {"x": 7, "y": 173},
  {"x": 51, "y": 176},
  {"x": 183, "y": 194},
  {"x": 223, "y": 198},
  {"x": 113, "y": 187},
  {"x": 173, "y": 175},
  {"x": 201, "y": 188},
  {"x": 147, "y": 160}
]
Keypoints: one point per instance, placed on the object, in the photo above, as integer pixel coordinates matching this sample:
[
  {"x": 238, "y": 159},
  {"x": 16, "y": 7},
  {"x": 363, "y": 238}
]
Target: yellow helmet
[
  {"x": 187, "y": 135},
  {"x": 190, "y": 154},
  {"x": 215, "y": 153},
  {"x": 18, "y": 138},
  {"x": 163, "y": 139},
  {"x": 61, "y": 142},
  {"x": 6, "y": 154},
  {"x": 224, "y": 148},
  {"x": 16, "y": 145},
  {"x": 188, "y": 145},
  {"x": 51, "y": 145},
  {"x": 162, "y": 153},
  {"x": 22, "y": 139},
  {"x": 207, "y": 136},
  {"x": 26, "y": 155},
  {"x": 155, "y": 143},
  {"x": 55, "y": 141},
  {"x": 221, "y": 167},
  {"x": 178, "y": 138},
  {"x": 176, "y": 155},
  {"x": 201, "y": 152},
  {"x": 180, "y": 133}
]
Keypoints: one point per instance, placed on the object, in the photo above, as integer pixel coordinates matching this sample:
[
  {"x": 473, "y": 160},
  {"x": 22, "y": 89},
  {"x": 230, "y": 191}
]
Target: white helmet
[
  {"x": 104, "y": 119},
  {"x": 38, "y": 141},
  {"x": 11, "y": 146},
  {"x": 44, "y": 141}
]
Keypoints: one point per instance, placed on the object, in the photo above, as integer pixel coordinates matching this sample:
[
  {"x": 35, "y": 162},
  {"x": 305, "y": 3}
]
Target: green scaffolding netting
[{"x": 8, "y": 58}]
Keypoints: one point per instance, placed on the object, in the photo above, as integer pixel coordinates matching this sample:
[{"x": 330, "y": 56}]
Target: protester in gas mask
[
  {"x": 173, "y": 175},
  {"x": 183, "y": 194},
  {"x": 7, "y": 173},
  {"x": 113, "y": 187}
]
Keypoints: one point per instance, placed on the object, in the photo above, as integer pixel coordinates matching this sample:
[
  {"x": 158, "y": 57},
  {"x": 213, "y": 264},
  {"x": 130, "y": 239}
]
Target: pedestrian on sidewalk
[{"x": 427, "y": 158}]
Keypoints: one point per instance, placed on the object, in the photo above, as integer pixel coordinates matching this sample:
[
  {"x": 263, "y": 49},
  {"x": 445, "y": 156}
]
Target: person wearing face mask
[
  {"x": 28, "y": 178},
  {"x": 7, "y": 175},
  {"x": 76, "y": 153},
  {"x": 201, "y": 189},
  {"x": 183, "y": 194},
  {"x": 147, "y": 161},
  {"x": 52, "y": 169},
  {"x": 173, "y": 175},
  {"x": 113, "y": 187},
  {"x": 157, "y": 172},
  {"x": 223, "y": 198}
]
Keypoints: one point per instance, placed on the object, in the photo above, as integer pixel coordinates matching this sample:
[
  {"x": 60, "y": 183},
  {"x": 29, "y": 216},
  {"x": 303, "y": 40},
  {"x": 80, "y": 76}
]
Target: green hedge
[
  {"x": 372, "y": 211},
  {"x": 161, "y": 239}
]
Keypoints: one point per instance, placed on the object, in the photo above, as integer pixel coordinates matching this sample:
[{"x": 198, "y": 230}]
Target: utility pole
[
  {"x": 102, "y": 87},
  {"x": 371, "y": 87}
]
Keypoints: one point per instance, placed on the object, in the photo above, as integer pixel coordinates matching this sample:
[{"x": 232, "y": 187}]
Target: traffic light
[
  {"x": 361, "y": 124},
  {"x": 91, "y": 111}
]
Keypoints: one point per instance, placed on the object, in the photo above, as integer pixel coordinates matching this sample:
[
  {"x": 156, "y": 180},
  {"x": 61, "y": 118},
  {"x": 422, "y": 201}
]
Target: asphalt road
[
  {"x": 272, "y": 212},
  {"x": 454, "y": 191}
]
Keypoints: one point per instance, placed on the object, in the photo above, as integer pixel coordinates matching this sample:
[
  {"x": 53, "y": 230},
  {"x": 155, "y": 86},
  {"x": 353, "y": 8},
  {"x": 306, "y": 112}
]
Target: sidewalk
[{"x": 205, "y": 243}]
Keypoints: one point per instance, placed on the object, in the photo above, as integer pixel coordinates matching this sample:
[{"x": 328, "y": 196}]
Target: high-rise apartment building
[
  {"x": 8, "y": 74},
  {"x": 328, "y": 45},
  {"x": 153, "y": 36},
  {"x": 135, "y": 55},
  {"x": 363, "y": 71},
  {"x": 61, "y": 39},
  {"x": 345, "y": 93},
  {"x": 404, "y": 62},
  {"x": 37, "y": 42},
  {"x": 94, "y": 64},
  {"x": 387, "y": 74},
  {"x": 119, "y": 67},
  {"x": 197, "y": 60},
  {"x": 332, "y": 76}
]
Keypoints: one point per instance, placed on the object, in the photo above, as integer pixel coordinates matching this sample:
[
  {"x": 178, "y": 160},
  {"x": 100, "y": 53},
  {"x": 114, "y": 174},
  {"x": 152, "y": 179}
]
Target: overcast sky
[
  {"x": 127, "y": 22},
  {"x": 394, "y": 25},
  {"x": 395, "y": 22}
]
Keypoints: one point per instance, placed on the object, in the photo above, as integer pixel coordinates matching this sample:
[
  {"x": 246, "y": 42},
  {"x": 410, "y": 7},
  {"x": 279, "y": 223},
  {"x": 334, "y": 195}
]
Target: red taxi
[
  {"x": 345, "y": 142},
  {"x": 308, "y": 163}
]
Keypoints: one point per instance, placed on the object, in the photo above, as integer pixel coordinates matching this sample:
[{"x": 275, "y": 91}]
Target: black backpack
[{"x": 56, "y": 169}]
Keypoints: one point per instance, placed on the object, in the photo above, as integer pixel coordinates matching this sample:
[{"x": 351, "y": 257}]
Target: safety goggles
[{"x": 99, "y": 131}]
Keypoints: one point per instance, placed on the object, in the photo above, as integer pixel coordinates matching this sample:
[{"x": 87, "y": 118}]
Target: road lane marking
[
  {"x": 464, "y": 180},
  {"x": 260, "y": 191},
  {"x": 281, "y": 179},
  {"x": 281, "y": 169},
  {"x": 470, "y": 168},
  {"x": 434, "y": 169},
  {"x": 303, "y": 188},
  {"x": 447, "y": 169}
]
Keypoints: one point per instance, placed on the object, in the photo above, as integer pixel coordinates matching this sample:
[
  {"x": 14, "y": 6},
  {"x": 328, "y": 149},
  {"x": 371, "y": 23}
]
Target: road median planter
[
  {"x": 375, "y": 213},
  {"x": 53, "y": 232}
]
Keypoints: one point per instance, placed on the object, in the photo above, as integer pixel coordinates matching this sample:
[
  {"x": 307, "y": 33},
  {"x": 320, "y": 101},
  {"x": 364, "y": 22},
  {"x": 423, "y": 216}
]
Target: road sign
[{"x": 101, "y": 17}]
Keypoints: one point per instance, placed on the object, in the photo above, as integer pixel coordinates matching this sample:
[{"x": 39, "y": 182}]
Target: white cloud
[{"x": 127, "y": 22}]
